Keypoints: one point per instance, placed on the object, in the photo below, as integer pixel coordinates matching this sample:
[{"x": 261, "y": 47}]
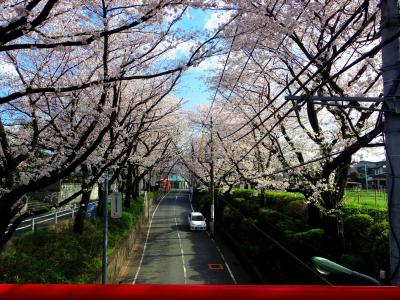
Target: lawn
[{"x": 372, "y": 198}]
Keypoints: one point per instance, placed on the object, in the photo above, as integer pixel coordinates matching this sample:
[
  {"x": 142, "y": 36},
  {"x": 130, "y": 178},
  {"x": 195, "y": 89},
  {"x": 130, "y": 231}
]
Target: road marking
[
  {"x": 223, "y": 258},
  {"x": 147, "y": 237},
  {"x": 180, "y": 243},
  {"x": 215, "y": 266},
  {"x": 182, "y": 253}
]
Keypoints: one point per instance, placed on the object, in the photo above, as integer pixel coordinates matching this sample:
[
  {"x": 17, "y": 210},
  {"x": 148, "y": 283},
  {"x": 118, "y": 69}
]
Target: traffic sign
[{"x": 116, "y": 205}]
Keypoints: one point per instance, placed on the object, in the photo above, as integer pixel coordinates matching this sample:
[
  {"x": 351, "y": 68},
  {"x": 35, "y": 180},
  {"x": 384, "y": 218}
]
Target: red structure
[
  {"x": 166, "y": 184},
  {"x": 194, "y": 292}
]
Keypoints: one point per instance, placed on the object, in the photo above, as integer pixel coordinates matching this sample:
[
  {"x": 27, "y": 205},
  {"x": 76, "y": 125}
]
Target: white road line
[
  {"x": 145, "y": 243},
  {"x": 180, "y": 243},
  {"x": 182, "y": 253},
  {"x": 223, "y": 258}
]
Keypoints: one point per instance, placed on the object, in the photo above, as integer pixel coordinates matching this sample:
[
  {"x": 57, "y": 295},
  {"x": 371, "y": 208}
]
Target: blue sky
[{"x": 192, "y": 87}]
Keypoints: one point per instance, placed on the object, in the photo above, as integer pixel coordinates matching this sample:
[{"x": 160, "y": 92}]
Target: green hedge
[
  {"x": 243, "y": 193},
  {"x": 379, "y": 214},
  {"x": 57, "y": 255},
  {"x": 285, "y": 218},
  {"x": 279, "y": 200}
]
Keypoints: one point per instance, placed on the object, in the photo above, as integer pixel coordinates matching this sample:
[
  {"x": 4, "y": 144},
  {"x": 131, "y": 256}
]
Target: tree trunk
[
  {"x": 136, "y": 188},
  {"x": 5, "y": 219},
  {"x": 314, "y": 215},
  {"x": 333, "y": 227},
  {"x": 128, "y": 186},
  {"x": 100, "y": 205},
  {"x": 263, "y": 202},
  {"x": 81, "y": 214},
  {"x": 87, "y": 190}
]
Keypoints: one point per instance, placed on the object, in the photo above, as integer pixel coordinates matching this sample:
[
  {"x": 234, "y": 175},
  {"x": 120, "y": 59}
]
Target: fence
[
  {"x": 371, "y": 197},
  {"x": 53, "y": 217}
]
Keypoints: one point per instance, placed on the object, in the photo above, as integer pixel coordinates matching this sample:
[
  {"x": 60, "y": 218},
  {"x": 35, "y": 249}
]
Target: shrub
[
  {"x": 203, "y": 200},
  {"x": 280, "y": 200},
  {"x": 379, "y": 214},
  {"x": 310, "y": 235},
  {"x": 277, "y": 223},
  {"x": 231, "y": 219},
  {"x": 352, "y": 261},
  {"x": 314, "y": 237},
  {"x": 269, "y": 217},
  {"x": 355, "y": 228},
  {"x": 243, "y": 193},
  {"x": 60, "y": 256},
  {"x": 376, "y": 246},
  {"x": 297, "y": 209}
]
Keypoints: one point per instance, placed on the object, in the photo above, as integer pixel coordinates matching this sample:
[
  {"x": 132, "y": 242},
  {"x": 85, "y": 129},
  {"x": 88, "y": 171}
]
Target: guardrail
[{"x": 53, "y": 216}]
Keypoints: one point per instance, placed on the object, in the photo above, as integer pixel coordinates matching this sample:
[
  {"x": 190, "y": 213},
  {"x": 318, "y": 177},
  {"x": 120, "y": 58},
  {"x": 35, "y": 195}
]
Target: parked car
[{"x": 197, "y": 221}]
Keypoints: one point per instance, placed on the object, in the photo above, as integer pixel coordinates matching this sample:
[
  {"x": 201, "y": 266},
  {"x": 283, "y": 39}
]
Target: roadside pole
[
  {"x": 105, "y": 229},
  {"x": 390, "y": 24},
  {"x": 212, "y": 221}
]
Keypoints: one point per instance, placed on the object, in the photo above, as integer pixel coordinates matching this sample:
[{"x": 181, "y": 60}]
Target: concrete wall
[{"x": 118, "y": 260}]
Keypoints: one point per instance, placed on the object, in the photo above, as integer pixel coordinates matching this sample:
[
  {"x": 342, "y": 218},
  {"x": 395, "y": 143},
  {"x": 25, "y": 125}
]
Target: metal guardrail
[{"x": 49, "y": 217}]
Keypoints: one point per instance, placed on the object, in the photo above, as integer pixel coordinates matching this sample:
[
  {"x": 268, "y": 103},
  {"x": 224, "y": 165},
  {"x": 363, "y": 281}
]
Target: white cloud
[
  {"x": 216, "y": 19},
  {"x": 8, "y": 69},
  {"x": 213, "y": 62},
  {"x": 181, "y": 50}
]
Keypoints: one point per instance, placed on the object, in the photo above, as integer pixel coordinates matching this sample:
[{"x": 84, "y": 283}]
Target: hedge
[
  {"x": 379, "y": 214},
  {"x": 285, "y": 218}
]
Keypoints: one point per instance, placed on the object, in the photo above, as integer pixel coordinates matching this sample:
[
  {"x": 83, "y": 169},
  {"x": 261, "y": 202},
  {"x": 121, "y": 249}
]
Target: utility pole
[
  {"x": 212, "y": 222},
  {"x": 366, "y": 176},
  {"x": 105, "y": 229},
  {"x": 390, "y": 25}
]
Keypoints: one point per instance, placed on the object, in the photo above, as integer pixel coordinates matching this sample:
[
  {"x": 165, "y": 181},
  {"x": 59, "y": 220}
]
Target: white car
[{"x": 197, "y": 221}]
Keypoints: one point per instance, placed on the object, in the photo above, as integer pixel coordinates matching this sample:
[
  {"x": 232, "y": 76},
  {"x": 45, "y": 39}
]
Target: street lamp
[{"x": 326, "y": 267}]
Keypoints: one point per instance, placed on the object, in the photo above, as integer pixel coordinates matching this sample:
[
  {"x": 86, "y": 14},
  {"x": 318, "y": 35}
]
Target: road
[{"x": 171, "y": 254}]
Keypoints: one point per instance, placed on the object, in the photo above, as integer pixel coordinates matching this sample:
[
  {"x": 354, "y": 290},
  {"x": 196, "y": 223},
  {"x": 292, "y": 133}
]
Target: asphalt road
[{"x": 171, "y": 254}]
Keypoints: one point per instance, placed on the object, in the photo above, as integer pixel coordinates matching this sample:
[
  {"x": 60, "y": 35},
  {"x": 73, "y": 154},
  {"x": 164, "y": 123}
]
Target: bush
[
  {"x": 243, "y": 193},
  {"x": 269, "y": 217},
  {"x": 355, "y": 228},
  {"x": 231, "y": 219},
  {"x": 280, "y": 200},
  {"x": 201, "y": 197},
  {"x": 376, "y": 246},
  {"x": 277, "y": 223},
  {"x": 352, "y": 261},
  {"x": 310, "y": 235},
  {"x": 379, "y": 214},
  {"x": 297, "y": 209}
]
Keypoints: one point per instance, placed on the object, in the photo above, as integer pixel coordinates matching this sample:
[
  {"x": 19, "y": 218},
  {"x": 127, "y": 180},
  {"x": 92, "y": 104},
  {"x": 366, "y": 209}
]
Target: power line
[
  {"x": 223, "y": 71},
  {"x": 322, "y": 50},
  {"x": 266, "y": 64}
]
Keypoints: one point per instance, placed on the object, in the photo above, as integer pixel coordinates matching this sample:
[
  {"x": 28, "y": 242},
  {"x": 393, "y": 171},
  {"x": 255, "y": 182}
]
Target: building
[{"x": 369, "y": 174}]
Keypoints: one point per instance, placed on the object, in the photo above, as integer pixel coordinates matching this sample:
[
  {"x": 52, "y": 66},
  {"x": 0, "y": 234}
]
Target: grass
[
  {"x": 369, "y": 198},
  {"x": 362, "y": 198},
  {"x": 57, "y": 255}
]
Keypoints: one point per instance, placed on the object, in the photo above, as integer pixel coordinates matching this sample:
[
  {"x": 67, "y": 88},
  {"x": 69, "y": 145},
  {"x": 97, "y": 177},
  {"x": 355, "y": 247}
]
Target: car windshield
[{"x": 197, "y": 218}]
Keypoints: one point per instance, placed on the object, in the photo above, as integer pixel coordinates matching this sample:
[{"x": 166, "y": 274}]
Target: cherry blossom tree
[
  {"x": 324, "y": 48},
  {"x": 66, "y": 63}
]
